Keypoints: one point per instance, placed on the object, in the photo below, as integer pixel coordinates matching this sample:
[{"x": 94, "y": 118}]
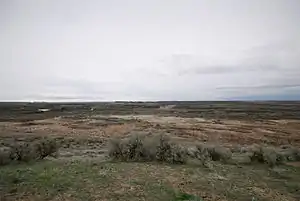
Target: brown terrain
[{"x": 84, "y": 129}]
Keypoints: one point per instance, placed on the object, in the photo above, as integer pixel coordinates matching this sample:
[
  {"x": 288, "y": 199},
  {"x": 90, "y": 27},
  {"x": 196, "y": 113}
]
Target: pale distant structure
[
  {"x": 43, "y": 110},
  {"x": 167, "y": 107}
]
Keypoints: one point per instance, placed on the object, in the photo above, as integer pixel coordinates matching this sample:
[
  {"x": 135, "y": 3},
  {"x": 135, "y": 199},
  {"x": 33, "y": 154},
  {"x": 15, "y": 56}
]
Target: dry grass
[
  {"x": 58, "y": 180},
  {"x": 118, "y": 129},
  {"x": 225, "y": 132}
]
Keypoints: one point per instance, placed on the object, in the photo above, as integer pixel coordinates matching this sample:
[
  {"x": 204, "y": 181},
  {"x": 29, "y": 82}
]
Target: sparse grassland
[
  {"x": 150, "y": 151},
  {"x": 92, "y": 180}
]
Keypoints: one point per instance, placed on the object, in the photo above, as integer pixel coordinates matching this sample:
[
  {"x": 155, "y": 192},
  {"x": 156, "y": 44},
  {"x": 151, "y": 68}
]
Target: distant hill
[{"x": 279, "y": 97}]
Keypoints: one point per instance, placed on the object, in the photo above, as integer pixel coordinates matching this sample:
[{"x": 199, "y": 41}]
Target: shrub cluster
[
  {"x": 145, "y": 148},
  {"x": 272, "y": 156},
  {"x": 206, "y": 152},
  {"x": 25, "y": 152},
  {"x": 161, "y": 148}
]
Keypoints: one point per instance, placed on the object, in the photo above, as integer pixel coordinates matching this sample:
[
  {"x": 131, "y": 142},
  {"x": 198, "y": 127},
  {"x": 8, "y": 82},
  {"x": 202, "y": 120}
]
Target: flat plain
[{"x": 82, "y": 169}]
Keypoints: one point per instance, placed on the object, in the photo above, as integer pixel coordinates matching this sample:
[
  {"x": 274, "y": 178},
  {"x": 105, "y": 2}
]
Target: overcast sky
[{"x": 149, "y": 49}]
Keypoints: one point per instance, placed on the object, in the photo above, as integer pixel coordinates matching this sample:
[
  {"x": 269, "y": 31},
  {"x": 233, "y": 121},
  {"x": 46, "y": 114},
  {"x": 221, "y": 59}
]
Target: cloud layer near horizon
[{"x": 148, "y": 50}]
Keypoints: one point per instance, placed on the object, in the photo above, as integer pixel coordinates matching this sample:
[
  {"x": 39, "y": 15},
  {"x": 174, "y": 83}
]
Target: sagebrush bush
[
  {"x": 4, "y": 157},
  {"x": 25, "y": 152},
  {"x": 45, "y": 147},
  {"x": 142, "y": 148},
  {"x": 22, "y": 152},
  {"x": 221, "y": 154},
  {"x": 266, "y": 155},
  {"x": 162, "y": 149},
  {"x": 150, "y": 146},
  {"x": 202, "y": 153},
  {"x": 179, "y": 154},
  {"x": 290, "y": 154},
  {"x": 271, "y": 157},
  {"x": 132, "y": 148},
  {"x": 115, "y": 148},
  {"x": 213, "y": 152},
  {"x": 256, "y": 154}
]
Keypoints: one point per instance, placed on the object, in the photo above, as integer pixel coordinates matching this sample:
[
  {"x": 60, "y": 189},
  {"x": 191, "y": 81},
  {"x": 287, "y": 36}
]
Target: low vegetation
[
  {"x": 92, "y": 180},
  {"x": 271, "y": 155},
  {"x": 26, "y": 151},
  {"x": 215, "y": 156},
  {"x": 161, "y": 148},
  {"x": 144, "y": 148}
]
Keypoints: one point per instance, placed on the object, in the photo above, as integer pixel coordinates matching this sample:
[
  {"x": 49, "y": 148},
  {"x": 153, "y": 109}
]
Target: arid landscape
[
  {"x": 150, "y": 100},
  {"x": 85, "y": 169}
]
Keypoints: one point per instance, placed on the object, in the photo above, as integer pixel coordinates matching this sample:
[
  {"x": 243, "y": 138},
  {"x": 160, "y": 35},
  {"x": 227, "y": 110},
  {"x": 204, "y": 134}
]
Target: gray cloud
[
  {"x": 260, "y": 87},
  {"x": 274, "y": 57},
  {"x": 222, "y": 69},
  {"x": 111, "y": 50}
]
